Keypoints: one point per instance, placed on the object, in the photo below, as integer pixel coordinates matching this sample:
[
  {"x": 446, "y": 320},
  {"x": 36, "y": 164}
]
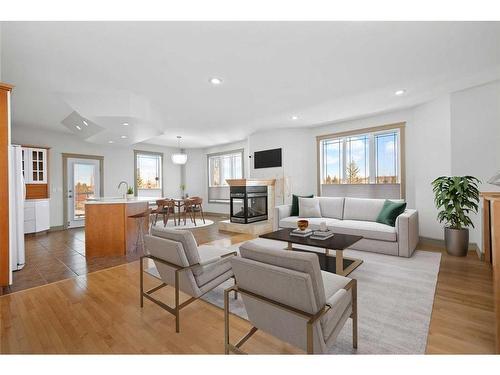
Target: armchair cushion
[
  {"x": 185, "y": 237},
  {"x": 292, "y": 260},
  {"x": 332, "y": 283},
  {"x": 340, "y": 304},
  {"x": 338, "y": 298},
  {"x": 212, "y": 265}
]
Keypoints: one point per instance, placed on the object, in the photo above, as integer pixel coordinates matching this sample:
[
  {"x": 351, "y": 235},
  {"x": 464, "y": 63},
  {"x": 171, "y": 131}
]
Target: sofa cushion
[
  {"x": 367, "y": 229},
  {"x": 362, "y": 209},
  {"x": 291, "y": 222},
  {"x": 295, "y": 203},
  {"x": 390, "y": 211},
  {"x": 309, "y": 207},
  {"x": 185, "y": 237},
  {"x": 332, "y": 207}
]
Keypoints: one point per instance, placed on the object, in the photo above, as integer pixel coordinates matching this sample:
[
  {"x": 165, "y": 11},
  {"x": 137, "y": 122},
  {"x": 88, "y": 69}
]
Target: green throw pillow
[
  {"x": 295, "y": 203},
  {"x": 390, "y": 211}
]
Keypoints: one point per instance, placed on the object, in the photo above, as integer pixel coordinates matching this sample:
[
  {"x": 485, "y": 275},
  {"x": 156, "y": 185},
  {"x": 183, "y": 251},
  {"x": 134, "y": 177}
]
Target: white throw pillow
[{"x": 309, "y": 207}]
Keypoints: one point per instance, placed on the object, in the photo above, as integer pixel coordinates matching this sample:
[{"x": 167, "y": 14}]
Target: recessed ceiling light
[
  {"x": 295, "y": 117},
  {"x": 400, "y": 92},
  {"x": 123, "y": 137},
  {"x": 85, "y": 123},
  {"x": 215, "y": 81},
  {"x": 125, "y": 124},
  {"x": 111, "y": 141},
  {"x": 78, "y": 127}
]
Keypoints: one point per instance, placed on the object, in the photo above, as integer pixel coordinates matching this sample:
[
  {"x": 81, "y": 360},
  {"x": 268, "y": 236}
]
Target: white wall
[
  {"x": 475, "y": 138},
  {"x": 429, "y": 156},
  {"x": 118, "y": 164},
  {"x": 298, "y": 159}
]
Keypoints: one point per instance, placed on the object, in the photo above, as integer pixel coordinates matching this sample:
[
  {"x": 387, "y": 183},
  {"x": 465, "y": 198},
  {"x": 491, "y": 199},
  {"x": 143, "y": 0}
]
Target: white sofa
[{"x": 358, "y": 216}]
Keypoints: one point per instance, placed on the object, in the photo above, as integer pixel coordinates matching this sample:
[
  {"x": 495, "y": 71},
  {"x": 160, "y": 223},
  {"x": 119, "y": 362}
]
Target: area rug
[
  {"x": 189, "y": 224},
  {"x": 395, "y": 297}
]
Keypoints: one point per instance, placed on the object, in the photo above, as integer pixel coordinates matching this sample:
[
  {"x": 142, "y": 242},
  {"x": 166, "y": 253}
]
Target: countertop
[{"x": 119, "y": 200}]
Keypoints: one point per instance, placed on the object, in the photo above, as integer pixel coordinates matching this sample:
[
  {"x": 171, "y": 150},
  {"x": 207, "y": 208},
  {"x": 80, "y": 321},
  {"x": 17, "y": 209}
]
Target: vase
[{"x": 456, "y": 241}]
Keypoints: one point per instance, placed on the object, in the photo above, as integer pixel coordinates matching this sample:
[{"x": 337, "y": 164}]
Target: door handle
[{"x": 70, "y": 196}]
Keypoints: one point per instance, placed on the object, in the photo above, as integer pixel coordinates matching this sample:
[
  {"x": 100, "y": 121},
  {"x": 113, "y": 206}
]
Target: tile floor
[{"x": 60, "y": 255}]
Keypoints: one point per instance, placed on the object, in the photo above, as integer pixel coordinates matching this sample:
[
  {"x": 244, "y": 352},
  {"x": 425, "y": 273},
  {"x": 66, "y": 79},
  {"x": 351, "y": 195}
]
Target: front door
[{"x": 83, "y": 182}]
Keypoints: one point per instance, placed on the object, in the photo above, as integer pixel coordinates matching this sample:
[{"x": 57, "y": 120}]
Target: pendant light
[{"x": 179, "y": 158}]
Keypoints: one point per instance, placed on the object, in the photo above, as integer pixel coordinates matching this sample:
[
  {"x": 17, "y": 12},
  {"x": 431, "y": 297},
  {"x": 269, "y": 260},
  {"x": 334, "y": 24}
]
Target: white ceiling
[{"x": 155, "y": 75}]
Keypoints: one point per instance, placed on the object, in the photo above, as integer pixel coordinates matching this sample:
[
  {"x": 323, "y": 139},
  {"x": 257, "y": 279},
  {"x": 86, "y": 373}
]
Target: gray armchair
[
  {"x": 287, "y": 295},
  {"x": 179, "y": 262}
]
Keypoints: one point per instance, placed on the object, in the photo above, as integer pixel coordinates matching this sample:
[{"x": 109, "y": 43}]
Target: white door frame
[{"x": 65, "y": 158}]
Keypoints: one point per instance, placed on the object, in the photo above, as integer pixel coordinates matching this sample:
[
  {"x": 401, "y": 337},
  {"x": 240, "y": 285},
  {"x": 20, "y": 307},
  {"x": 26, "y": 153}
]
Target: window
[
  {"x": 148, "y": 174},
  {"x": 368, "y": 158},
  {"x": 222, "y": 166}
]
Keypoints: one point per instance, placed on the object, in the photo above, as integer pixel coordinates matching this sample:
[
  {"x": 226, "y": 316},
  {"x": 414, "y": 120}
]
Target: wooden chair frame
[
  {"x": 312, "y": 318},
  {"x": 165, "y": 210},
  {"x": 178, "y": 269},
  {"x": 192, "y": 207}
]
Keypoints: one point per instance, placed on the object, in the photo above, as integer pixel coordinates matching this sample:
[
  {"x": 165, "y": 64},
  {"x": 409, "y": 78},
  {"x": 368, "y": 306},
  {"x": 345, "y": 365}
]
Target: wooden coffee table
[{"x": 328, "y": 262}]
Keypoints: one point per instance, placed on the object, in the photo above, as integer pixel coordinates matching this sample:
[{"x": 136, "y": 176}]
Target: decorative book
[
  {"x": 323, "y": 233},
  {"x": 316, "y": 237},
  {"x": 301, "y": 233}
]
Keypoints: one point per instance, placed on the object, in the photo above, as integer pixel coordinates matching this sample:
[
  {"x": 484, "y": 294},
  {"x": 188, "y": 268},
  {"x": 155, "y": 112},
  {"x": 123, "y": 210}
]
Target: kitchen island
[{"x": 109, "y": 231}]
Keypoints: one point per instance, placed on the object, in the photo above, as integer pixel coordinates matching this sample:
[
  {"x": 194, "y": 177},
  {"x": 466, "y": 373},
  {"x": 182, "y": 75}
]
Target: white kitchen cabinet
[
  {"x": 35, "y": 165},
  {"x": 36, "y": 215}
]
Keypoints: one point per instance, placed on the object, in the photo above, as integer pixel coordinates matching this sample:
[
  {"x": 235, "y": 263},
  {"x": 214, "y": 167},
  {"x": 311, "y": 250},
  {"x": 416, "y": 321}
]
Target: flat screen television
[{"x": 267, "y": 158}]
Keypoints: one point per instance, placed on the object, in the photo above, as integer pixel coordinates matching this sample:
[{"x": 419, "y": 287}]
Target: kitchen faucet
[{"x": 126, "y": 184}]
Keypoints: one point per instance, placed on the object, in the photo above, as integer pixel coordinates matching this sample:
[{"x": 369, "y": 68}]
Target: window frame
[
  {"x": 151, "y": 153},
  {"x": 208, "y": 179},
  {"x": 372, "y": 132}
]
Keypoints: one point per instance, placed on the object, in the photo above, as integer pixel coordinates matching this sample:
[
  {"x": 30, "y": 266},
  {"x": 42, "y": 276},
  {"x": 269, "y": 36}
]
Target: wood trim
[
  {"x": 4, "y": 185},
  {"x": 397, "y": 125},
  {"x": 35, "y": 146},
  {"x": 402, "y": 154},
  {"x": 65, "y": 157},
  {"x": 37, "y": 191},
  {"x": 6, "y": 86},
  {"x": 250, "y": 182},
  {"x": 486, "y": 230}
]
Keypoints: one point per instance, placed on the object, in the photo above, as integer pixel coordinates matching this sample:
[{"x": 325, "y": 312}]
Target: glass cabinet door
[{"x": 35, "y": 165}]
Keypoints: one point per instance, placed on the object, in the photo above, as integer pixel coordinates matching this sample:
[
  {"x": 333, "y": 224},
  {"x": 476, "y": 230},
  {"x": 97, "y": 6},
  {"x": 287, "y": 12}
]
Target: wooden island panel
[{"x": 108, "y": 229}]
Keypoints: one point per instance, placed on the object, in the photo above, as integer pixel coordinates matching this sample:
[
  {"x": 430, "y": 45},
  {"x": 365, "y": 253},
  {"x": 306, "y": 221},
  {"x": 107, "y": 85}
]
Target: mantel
[{"x": 250, "y": 182}]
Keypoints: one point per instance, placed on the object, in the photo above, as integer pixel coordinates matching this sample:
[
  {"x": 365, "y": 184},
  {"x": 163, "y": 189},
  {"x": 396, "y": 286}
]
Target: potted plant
[
  {"x": 130, "y": 192},
  {"x": 183, "y": 188},
  {"x": 456, "y": 197}
]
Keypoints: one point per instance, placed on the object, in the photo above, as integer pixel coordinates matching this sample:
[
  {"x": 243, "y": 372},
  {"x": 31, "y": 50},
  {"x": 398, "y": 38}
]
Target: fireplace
[{"x": 248, "y": 204}]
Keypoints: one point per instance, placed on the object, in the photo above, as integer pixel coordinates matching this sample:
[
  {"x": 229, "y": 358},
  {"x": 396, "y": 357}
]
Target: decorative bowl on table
[{"x": 302, "y": 224}]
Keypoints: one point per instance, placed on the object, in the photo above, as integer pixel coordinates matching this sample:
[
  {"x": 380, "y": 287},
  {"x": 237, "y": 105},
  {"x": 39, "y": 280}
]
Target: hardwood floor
[
  {"x": 99, "y": 312},
  {"x": 463, "y": 314}
]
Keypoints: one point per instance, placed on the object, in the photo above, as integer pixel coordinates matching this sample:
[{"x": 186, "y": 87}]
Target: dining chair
[
  {"x": 165, "y": 207},
  {"x": 193, "y": 205}
]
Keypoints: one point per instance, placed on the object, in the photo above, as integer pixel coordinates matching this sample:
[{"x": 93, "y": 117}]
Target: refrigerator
[{"x": 17, "y": 194}]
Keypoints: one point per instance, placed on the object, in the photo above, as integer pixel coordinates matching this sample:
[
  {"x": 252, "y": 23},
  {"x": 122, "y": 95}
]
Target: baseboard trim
[
  {"x": 57, "y": 228},
  {"x": 216, "y": 214},
  {"x": 440, "y": 243}
]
